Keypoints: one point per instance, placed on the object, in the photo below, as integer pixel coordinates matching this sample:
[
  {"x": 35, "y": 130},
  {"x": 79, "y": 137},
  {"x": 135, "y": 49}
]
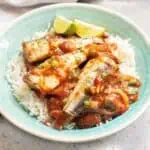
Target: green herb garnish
[
  {"x": 54, "y": 63},
  {"x": 104, "y": 74},
  {"x": 82, "y": 50},
  {"x": 132, "y": 82},
  {"x": 65, "y": 101},
  {"x": 41, "y": 66},
  {"x": 88, "y": 80},
  {"x": 78, "y": 59},
  {"x": 132, "y": 91},
  {"x": 73, "y": 74},
  {"x": 86, "y": 103}
]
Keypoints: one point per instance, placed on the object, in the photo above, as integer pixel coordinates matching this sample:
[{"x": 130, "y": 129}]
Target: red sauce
[{"x": 64, "y": 89}]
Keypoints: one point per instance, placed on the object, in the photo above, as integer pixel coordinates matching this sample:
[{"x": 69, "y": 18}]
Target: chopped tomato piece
[
  {"x": 88, "y": 120},
  {"x": 56, "y": 113},
  {"x": 67, "y": 46},
  {"x": 54, "y": 104},
  {"x": 133, "y": 98},
  {"x": 58, "y": 123}
]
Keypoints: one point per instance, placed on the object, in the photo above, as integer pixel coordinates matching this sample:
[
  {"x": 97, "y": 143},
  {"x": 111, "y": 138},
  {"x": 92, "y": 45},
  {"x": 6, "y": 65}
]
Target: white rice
[
  {"x": 27, "y": 98},
  {"x": 125, "y": 52},
  {"x": 24, "y": 95}
]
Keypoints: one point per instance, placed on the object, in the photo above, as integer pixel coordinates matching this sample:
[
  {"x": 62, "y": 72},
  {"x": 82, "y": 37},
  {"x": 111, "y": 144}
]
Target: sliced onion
[{"x": 124, "y": 96}]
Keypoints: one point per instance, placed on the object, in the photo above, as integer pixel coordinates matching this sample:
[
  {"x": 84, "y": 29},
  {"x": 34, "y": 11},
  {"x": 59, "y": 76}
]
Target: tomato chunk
[
  {"x": 67, "y": 46},
  {"x": 88, "y": 120},
  {"x": 54, "y": 104},
  {"x": 60, "y": 119},
  {"x": 56, "y": 113}
]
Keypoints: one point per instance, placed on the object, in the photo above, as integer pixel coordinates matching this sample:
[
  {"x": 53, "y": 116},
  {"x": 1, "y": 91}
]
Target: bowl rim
[{"x": 94, "y": 137}]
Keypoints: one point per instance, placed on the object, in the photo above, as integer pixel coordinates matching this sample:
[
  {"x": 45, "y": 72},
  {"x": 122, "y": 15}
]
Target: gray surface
[{"x": 135, "y": 137}]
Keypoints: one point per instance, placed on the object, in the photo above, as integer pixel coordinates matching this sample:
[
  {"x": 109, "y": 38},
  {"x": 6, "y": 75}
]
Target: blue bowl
[{"x": 37, "y": 20}]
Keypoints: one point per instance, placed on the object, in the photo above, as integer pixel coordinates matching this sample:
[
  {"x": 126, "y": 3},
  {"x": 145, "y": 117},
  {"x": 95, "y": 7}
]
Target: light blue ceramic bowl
[{"x": 37, "y": 20}]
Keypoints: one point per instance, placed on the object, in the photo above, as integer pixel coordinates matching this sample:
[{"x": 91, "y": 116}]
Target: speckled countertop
[{"x": 135, "y": 137}]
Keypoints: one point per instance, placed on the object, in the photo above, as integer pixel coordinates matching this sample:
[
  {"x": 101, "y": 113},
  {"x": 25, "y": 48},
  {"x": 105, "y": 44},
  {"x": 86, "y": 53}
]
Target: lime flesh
[
  {"x": 84, "y": 29},
  {"x": 61, "y": 24}
]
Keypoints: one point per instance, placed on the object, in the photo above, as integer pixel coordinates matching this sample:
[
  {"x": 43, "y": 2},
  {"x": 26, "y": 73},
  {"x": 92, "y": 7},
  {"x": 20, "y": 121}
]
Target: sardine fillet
[
  {"x": 37, "y": 80},
  {"x": 86, "y": 79}
]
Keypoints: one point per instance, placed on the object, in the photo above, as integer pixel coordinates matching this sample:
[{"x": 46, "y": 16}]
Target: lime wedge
[
  {"x": 84, "y": 29},
  {"x": 61, "y": 24}
]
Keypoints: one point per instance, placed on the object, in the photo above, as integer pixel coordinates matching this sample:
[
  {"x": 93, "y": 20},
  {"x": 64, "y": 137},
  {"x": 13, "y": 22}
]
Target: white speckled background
[{"x": 135, "y": 137}]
